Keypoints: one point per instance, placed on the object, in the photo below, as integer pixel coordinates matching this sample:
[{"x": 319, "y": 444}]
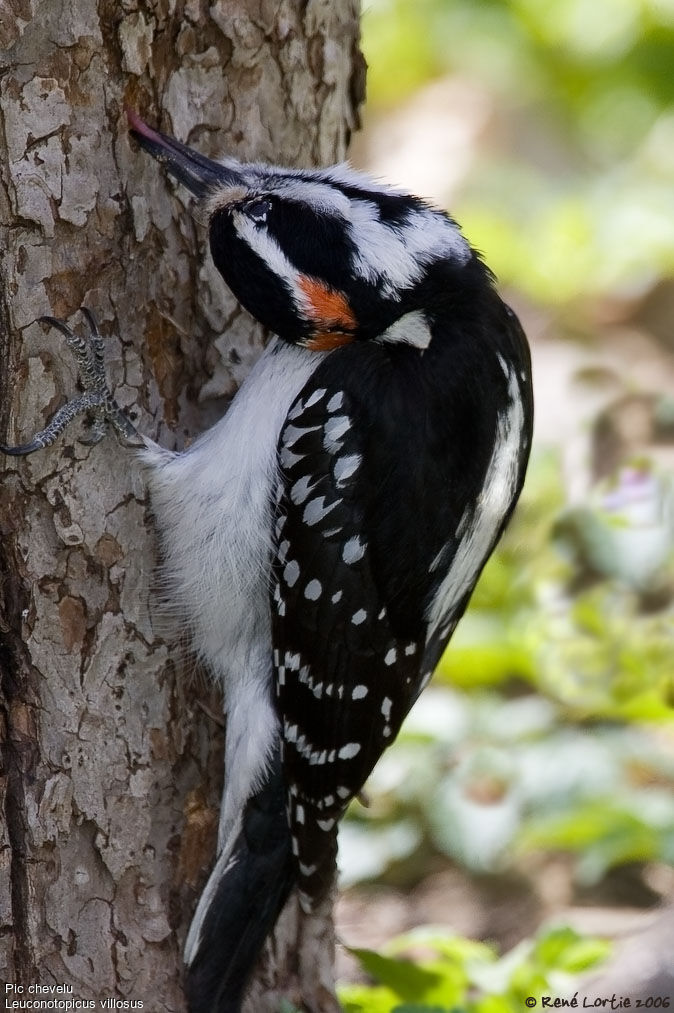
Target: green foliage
[
  {"x": 486, "y": 781},
  {"x": 602, "y": 67},
  {"x": 533, "y": 737},
  {"x": 596, "y": 649},
  {"x": 607, "y": 832},
  {"x": 410, "y": 981},
  {"x": 594, "y": 644},
  {"x": 448, "y": 973},
  {"x": 583, "y": 202},
  {"x": 497, "y": 771}
]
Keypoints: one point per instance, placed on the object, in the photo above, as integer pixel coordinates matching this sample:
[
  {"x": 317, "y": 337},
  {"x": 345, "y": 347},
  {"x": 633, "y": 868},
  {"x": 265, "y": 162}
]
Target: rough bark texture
[{"x": 110, "y": 755}]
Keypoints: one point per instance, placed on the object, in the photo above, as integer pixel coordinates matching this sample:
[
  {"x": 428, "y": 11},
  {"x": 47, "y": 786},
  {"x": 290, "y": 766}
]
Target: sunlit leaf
[
  {"x": 402, "y": 977},
  {"x": 565, "y": 949}
]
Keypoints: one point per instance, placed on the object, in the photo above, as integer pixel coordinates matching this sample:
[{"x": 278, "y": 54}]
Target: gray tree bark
[{"x": 111, "y": 758}]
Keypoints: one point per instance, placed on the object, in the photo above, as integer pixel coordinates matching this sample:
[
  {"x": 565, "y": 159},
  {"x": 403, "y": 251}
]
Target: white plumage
[{"x": 213, "y": 509}]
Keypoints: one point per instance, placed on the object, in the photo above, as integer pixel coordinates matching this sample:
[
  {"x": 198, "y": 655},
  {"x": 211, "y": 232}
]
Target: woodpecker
[{"x": 323, "y": 539}]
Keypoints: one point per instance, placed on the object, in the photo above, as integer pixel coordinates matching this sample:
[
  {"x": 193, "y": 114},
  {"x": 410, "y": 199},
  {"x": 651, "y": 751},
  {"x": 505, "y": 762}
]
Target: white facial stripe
[
  {"x": 322, "y": 198},
  {"x": 263, "y": 180},
  {"x": 270, "y": 176},
  {"x": 381, "y": 256},
  {"x": 266, "y": 248},
  {"x": 494, "y": 501},
  {"x": 431, "y": 234},
  {"x": 396, "y": 256},
  {"x": 344, "y": 173},
  {"x": 410, "y": 329},
  {"x": 273, "y": 256},
  {"x": 392, "y": 256}
]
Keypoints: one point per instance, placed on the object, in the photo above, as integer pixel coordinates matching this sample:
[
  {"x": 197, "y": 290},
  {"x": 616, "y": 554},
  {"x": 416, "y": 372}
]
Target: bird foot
[{"x": 96, "y": 398}]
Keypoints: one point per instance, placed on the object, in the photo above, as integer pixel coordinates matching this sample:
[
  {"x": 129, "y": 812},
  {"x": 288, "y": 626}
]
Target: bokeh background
[{"x": 528, "y": 803}]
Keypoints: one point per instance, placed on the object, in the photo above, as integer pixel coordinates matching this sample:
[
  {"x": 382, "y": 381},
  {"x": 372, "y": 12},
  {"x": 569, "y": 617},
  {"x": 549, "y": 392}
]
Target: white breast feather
[{"x": 213, "y": 506}]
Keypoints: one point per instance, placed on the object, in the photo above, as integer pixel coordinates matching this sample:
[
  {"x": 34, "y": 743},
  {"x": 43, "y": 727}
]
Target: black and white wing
[
  {"x": 372, "y": 524},
  {"x": 344, "y": 679}
]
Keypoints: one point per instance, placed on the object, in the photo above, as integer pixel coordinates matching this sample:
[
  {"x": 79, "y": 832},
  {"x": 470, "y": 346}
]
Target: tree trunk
[{"x": 112, "y": 757}]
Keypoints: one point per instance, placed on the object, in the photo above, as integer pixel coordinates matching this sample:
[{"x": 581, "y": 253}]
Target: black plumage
[{"x": 417, "y": 434}]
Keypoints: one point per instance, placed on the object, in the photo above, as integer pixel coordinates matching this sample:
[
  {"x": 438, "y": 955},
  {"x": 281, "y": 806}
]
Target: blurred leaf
[
  {"x": 568, "y": 194},
  {"x": 494, "y": 1004},
  {"x": 604, "y": 833},
  {"x": 366, "y": 851},
  {"x": 474, "y": 816},
  {"x": 466, "y": 977},
  {"x": 403, "y": 977},
  {"x": 420, "y": 1008},
  {"x": 586, "y": 209},
  {"x": 444, "y": 944},
  {"x": 400, "y": 49},
  {"x": 564, "y": 949},
  {"x": 366, "y": 999}
]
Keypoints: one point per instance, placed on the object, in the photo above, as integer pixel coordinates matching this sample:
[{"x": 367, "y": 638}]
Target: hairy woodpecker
[{"x": 323, "y": 539}]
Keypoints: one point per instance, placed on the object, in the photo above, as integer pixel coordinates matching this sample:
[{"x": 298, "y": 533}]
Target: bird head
[{"x": 321, "y": 257}]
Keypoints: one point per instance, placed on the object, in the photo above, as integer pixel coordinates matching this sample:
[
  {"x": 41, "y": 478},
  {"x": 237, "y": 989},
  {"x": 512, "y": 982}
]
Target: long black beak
[{"x": 198, "y": 173}]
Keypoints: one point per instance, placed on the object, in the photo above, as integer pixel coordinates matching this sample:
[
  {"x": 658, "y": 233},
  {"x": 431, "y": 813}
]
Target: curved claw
[
  {"x": 23, "y": 449},
  {"x": 97, "y": 396},
  {"x": 91, "y": 320},
  {"x": 60, "y": 325}
]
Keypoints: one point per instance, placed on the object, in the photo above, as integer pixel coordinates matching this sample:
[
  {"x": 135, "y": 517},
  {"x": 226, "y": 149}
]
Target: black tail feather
[{"x": 246, "y": 903}]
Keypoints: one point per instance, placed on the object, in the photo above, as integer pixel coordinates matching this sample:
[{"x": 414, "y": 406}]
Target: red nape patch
[
  {"x": 323, "y": 342},
  {"x": 326, "y": 307}
]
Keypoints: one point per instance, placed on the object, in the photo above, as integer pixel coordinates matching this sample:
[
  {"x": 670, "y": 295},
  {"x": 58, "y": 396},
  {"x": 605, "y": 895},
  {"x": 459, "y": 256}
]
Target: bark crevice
[{"x": 111, "y": 768}]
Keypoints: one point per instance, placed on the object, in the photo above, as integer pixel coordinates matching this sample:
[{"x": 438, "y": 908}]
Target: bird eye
[{"x": 258, "y": 209}]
